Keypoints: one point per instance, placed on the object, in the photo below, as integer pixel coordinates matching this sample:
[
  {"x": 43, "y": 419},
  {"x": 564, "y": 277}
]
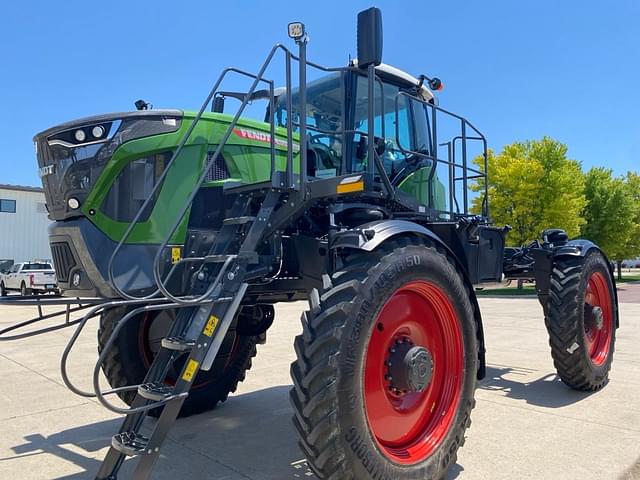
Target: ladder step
[
  {"x": 157, "y": 391},
  {"x": 130, "y": 443},
  {"x": 179, "y": 344},
  {"x": 238, "y": 220}
]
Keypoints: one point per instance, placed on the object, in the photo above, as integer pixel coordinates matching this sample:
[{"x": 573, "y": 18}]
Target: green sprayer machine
[{"x": 178, "y": 231}]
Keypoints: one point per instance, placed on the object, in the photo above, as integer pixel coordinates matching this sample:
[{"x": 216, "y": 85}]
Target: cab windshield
[{"x": 324, "y": 121}]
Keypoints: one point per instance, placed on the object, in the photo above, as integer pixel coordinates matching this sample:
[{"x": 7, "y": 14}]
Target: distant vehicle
[
  {"x": 631, "y": 263},
  {"x": 29, "y": 278}
]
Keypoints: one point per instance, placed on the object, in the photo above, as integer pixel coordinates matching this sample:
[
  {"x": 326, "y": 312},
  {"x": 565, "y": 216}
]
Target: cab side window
[{"x": 395, "y": 132}]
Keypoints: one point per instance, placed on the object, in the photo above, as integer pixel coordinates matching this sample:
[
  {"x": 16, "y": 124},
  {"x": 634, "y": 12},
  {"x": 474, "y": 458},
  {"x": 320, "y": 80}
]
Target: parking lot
[{"x": 527, "y": 424}]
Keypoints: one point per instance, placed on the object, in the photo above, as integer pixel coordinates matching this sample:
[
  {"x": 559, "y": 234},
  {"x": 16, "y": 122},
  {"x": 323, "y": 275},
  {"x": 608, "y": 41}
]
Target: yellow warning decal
[
  {"x": 210, "y": 326},
  {"x": 175, "y": 254},
  {"x": 350, "y": 184},
  {"x": 189, "y": 372},
  {"x": 350, "y": 187}
]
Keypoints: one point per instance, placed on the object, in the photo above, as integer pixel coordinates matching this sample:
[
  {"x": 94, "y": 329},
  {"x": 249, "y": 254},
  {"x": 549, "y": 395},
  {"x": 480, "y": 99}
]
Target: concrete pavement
[
  {"x": 629, "y": 292},
  {"x": 527, "y": 424}
]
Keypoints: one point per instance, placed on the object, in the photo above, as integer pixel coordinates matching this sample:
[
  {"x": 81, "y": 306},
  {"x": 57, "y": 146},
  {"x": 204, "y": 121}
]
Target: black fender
[
  {"x": 369, "y": 236},
  {"x": 578, "y": 248},
  {"x": 581, "y": 248}
]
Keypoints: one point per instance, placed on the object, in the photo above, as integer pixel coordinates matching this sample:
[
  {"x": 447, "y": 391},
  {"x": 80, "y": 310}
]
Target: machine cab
[{"x": 337, "y": 121}]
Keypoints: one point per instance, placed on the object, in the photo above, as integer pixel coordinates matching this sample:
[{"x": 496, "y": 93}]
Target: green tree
[
  {"x": 631, "y": 248},
  {"x": 611, "y": 213},
  {"x": 533, "y": 186}
]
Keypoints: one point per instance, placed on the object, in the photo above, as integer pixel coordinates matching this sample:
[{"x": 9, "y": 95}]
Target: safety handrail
[
  {"x": 159, "y": 278},
  {"x": 257, "y": 79},
  {"x": 433, "y": 154},
  {"x": 103, "y": 354},
  {"x": 38, "y": 301},
  {"x": 82, "y": 323},
  {"x": 165, "y": 172}
]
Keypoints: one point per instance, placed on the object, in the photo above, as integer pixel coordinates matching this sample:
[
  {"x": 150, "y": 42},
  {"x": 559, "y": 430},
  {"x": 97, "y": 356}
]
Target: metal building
[{"x": 23, "y": 224}]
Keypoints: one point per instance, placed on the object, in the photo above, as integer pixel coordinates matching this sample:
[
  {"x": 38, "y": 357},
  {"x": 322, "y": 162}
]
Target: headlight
[
  {"x": 97, "y": 131},
  {"x": 80, "y": 136}
]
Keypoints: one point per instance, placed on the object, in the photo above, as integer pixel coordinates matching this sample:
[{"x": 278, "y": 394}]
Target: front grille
[
  {"x": 218, "y": 170},
  {"x": 62, "y": 260}
]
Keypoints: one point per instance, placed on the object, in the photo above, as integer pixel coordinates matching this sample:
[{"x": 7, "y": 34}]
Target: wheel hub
[
  {"x": 410, "y": 367},
  {"x": 594, "y": 318}
]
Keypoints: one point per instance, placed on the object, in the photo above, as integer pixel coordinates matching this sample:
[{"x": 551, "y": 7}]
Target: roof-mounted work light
[{"x": 296, "y": 30}]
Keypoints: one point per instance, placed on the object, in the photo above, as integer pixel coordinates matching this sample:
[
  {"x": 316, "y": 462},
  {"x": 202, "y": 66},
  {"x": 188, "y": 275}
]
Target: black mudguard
[{"x": 579, "y": 248}]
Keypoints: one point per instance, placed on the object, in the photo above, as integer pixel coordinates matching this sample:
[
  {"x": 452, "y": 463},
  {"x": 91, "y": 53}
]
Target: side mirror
[{"x": 369, "y": 37}]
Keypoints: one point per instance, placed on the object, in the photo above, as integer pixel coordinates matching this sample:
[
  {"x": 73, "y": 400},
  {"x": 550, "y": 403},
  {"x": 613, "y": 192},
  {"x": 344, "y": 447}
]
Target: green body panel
[
  {"x": 247, "y": 156},
  {"x": 248, "y": 160},
  {"x": 416, "y": 185}
]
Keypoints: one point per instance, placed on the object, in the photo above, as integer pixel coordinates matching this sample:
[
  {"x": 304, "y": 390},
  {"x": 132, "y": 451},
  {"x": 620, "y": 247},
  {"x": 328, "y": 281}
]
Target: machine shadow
[
  {"x": 216, "y": 442},
  {"x": 547, "y": 391},
  {"x": 71, "y": 445}
]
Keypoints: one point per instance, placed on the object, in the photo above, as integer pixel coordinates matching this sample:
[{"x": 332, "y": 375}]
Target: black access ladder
[{"x": 198, "y": 331}]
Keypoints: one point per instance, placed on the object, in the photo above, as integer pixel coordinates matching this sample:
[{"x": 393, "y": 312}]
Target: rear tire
[
  {"x": 582, "y": 338},
  {"x": 132, "y": 353},
  {"x": 3, "y": 291},
  {"x": 24, "y": 291},
  {"x": 343, "y": 400}
]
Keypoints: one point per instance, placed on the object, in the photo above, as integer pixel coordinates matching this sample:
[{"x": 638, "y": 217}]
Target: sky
[{"x": 517, "y": 70}]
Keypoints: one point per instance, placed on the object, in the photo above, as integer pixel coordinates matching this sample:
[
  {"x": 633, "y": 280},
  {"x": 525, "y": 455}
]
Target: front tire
[
  {"x": 581, "y": 321},
  {"x": 133, "y": 351},
  {"x": 363, "y": 410},
  {"x": 3, "y": 290}
]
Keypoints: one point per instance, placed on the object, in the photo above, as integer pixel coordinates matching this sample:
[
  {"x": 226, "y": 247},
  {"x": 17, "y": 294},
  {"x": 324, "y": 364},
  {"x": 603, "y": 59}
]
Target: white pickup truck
[{"x": 29, "y": 278}]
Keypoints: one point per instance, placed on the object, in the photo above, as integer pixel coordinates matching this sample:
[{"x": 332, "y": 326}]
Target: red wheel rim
[
  {"x": 597, "y": 338},
  {"x": 409, "y": 427}
]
